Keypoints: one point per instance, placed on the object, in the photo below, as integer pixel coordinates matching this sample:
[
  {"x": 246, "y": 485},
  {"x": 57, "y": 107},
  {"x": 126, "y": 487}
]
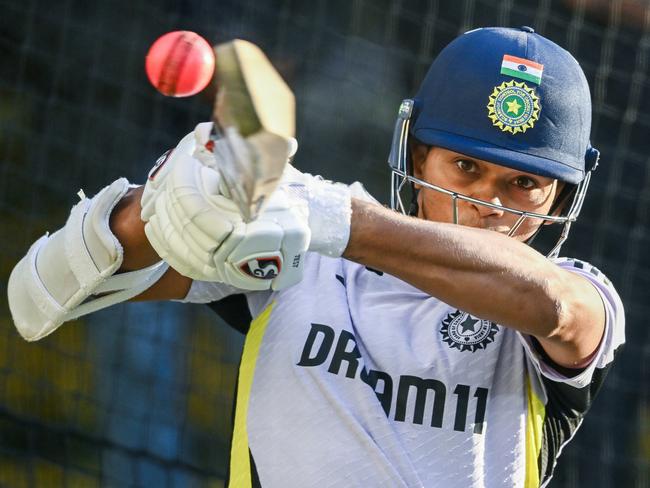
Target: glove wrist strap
[{"x": 330, "y": 211}]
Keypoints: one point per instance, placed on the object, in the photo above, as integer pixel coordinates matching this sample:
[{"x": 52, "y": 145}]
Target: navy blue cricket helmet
[{"x": 507, "y": 96}]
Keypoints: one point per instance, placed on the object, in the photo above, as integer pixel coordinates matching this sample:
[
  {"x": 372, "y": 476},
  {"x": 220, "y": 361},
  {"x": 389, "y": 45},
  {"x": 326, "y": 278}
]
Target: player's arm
[
  {"x": 151, "y": 242},
  {"x": 127, "y": 225},
  {"x": 98, "y": 258},
  {"x": 486, "y": 274},
  {"x": 479, "y": 271},
  {"x": 73, "y": 271}
]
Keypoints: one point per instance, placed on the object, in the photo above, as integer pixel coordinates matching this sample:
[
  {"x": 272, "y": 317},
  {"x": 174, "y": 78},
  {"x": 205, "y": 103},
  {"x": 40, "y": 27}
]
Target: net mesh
[{"x": 141, "y": 394}]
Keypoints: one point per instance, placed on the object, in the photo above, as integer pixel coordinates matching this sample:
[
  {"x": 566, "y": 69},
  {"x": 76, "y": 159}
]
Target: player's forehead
[{"x": 447, "y": 155}]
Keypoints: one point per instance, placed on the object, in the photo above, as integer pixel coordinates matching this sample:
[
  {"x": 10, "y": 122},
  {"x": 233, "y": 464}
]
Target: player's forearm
[
  {"x": 481, "y": 272},
  {"x": 128, "y": 227}
]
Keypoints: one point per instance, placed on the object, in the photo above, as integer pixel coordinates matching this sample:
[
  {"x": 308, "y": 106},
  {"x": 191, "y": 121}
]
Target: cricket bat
[{"x": 253, "y": 124}]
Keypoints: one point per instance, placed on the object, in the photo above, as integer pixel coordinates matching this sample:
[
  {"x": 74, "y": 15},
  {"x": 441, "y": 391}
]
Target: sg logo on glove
[
  {"x": 159, "y": 162},
  {"x": 263, "y": 268}
]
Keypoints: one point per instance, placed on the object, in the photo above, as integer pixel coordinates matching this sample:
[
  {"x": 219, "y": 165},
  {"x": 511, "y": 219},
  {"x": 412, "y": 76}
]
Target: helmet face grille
[{"x": 403, "y": 194}]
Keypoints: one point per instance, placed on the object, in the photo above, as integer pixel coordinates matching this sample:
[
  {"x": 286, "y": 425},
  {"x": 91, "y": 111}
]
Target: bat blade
[{"x": 254, "y": 121}]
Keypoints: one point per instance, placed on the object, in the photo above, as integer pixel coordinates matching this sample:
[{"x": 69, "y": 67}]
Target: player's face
[{"x": 483, "y": 181}]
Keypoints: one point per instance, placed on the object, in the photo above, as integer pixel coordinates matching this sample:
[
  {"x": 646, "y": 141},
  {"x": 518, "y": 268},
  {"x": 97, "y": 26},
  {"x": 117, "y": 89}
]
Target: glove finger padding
[
  {"x": 206, "y": 215},
  {"x": 197, "y": 263},
  {"x": 266, "y": 253},
  {"x": 171, "y": 246},
  {"x": 191, "y": 219}
]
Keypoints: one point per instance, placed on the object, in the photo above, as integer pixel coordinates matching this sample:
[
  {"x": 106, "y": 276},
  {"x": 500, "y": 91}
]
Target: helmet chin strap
[
  {"x": 561, "y": 199},
  {"x": 414, "y": 207}
]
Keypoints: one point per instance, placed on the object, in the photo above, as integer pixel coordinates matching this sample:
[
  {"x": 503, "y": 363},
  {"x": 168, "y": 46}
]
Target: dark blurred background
[{"x": 141, "y": 394}]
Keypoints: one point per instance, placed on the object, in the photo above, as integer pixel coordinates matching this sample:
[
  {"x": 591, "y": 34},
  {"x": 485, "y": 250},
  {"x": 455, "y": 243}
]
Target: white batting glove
[
  {"x": 198, "y": 230},
  {"x": 190, "y": 145},
  {"x": 200, "y": 233}
]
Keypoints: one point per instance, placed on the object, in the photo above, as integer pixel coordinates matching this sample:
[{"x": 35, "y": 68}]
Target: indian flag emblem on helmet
[
  {"x": 513, "y": 107},
  {"x": 521, "y": 68}
]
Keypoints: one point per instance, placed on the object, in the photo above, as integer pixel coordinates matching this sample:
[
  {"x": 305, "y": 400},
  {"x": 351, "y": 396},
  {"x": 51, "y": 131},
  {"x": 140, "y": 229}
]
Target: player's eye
[
  {"x": 525, "y": 182},
  {"x": 466, "y": 166}
]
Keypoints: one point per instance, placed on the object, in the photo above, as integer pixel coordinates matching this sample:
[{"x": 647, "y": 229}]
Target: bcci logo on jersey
[{"x": 467, "y": 333}]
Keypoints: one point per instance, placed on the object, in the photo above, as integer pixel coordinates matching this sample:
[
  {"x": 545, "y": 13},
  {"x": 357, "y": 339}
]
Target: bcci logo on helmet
[
  {"x": 265, "y": 268},
  {"x": 513, "y": 107},
  {"x": 467, "y": 333}
]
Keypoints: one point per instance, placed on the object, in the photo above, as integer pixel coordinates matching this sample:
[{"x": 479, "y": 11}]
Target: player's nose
[{"x": 486, "y": 193}]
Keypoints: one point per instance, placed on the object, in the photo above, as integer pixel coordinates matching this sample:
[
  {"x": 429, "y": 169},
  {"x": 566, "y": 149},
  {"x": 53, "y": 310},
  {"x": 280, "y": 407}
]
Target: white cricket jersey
[{"x": 354, "y": 378}]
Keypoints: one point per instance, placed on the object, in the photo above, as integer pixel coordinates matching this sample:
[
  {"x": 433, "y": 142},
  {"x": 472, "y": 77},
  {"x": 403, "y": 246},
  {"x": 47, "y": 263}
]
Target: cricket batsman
[{"x": 427, "y": 345}]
